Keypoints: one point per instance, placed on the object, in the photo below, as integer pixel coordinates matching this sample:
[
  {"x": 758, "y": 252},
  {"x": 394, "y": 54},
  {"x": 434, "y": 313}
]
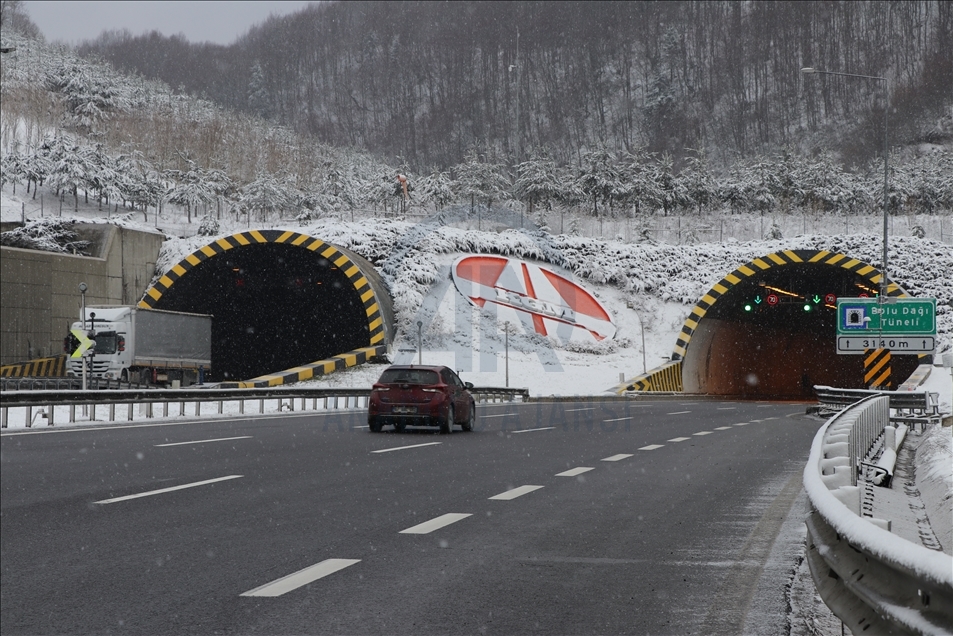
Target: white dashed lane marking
[
  {"x": 514, "y": 493},
  {"x": 397, "y": 448},
  {"x": 301, "y": 577},
  {"x": 652, "y": 447},
  {"x": 723, "y": 428},
  {"x": 499, "y": 415},
  {"x": 679, "y": 439},
  {"x": 572, "y": 472},
  {"x": 616, "y": 458},
  {"x": 164, "y": 490},
  {"x": 619, "y": 419},
  {"x": 204, "y": 441},
  {"x": 741, "y": 424},
  {"x": 702, "y": 433},
  {"x": 588, "y": 408},
  {"x": 532, "y": 430},
  {"x": 436, "y": 523},
  {"x": 678, "y": 413}
]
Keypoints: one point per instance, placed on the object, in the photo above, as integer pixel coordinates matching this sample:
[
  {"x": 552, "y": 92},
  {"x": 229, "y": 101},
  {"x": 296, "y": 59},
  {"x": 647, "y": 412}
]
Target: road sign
[
  {"x": 84, "y": 342},
  {"x": 895, "y": 317},
  {"x": 896, "y": 344}
]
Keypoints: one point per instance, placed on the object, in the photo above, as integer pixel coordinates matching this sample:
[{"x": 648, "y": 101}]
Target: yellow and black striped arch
[
  {"x": 758, "y": 265},
  {"x": 372, "y": 305}
]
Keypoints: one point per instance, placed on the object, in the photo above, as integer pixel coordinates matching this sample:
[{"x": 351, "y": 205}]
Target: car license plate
[{"x": 405, "y": 409}]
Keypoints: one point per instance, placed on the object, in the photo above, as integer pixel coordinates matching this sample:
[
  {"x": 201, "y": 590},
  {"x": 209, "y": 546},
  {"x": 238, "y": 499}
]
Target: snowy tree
[
  {"x": 601, "y": 179},
  {"x": 641, "y": 190},
  {"x": 480, "y": 180},
  {"x": 266, "y": 195},
  {"x": 436, "y": 188},
  {"x": 190, "y": 188},
  {"x": 537, "y": 182},
  {"x": 671, "y": 190},
  {"x": 72, "y": 168},
  {"x": 13, "y": 169}
]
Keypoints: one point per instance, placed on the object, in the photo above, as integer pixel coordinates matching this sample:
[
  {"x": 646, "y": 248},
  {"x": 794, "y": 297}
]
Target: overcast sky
[{"x": 219, "y": 22}]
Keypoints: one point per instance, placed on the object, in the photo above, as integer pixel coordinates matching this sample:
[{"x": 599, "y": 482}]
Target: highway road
[{"x": 637, "y": 517}]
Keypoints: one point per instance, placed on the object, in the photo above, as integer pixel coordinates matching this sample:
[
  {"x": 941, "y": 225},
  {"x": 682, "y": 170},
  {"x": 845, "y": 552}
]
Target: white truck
[{"x": 142, "y": 345}]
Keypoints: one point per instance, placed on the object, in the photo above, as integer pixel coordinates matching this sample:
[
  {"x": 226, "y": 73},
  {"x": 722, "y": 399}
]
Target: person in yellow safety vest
[{"x": 402, "y": 180}]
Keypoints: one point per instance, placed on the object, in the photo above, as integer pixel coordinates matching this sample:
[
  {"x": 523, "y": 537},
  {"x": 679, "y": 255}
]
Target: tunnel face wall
[
  {"x": 781, "y": 350},
  {"x": 278, "y": 300}
]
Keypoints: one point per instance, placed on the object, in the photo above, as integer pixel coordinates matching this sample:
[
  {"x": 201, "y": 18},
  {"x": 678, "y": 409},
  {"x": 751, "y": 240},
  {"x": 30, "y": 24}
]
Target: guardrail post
[
  {"x": 92, "y": 412},
  {"x": 261, "y": 406},
  {"x": 241, "y": 407},
  {"x": 182, "y": 407},
  {"x": 221, "y": 406},
  {"x": 3, "y": 417},
  {"x": 29, "y": 417},
  {"x": 112, "y": 412},
  {"x": 129, "y": 412},
  {"x": 49, "y": 419},
  {"x": 149, "y": 410},
  {"x": 165, "y": 409},
  {"x": 198, "y": 408},
  {"x": 72, "y": 413}
]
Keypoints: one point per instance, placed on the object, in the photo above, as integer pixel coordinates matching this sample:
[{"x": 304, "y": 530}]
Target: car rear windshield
[{"x": 409, "y": 376}]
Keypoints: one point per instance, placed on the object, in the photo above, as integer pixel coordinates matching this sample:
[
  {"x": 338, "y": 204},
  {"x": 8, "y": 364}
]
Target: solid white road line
[
  {"x": 679, "y": 439},
  {"x": 618, "y": 457},
  {"x": 514, "y": 493},
  {"x": 531, "y": 430},
  {"x": 574, "y": 471},
  {"x": 723, "y": 428},
  {"x": 163, "y": 490},
  {"x": 652, "y": 446},
  {"x": 678, "y": 413},
  {"x": 397, "y": 448},
  {"x": 436, "y": 523},
  {"x": 702, "y": 433},
  {"x": 204, "y": 441},
  {"x": 301, "y": 577}
]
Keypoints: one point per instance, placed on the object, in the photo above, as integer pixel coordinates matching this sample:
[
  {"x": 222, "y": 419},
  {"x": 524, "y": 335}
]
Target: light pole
[
  {"x": 506, "y": 345},
  {"x": 884, "y": 281}
]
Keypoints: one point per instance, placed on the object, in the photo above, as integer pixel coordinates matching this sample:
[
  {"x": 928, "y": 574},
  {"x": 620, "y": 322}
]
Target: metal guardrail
[
  {"x": 289, "y": 398},
  {"x": 874, "y": 581},
  {"x": 923, "y": 403}
]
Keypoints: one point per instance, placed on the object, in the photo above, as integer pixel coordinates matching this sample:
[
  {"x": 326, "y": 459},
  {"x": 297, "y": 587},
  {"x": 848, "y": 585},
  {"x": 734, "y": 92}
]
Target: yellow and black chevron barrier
[
  {"x": 311, "y": 370},
  {"x": 53, "y": 367},
  {"x": 877, "y": 368},
  {"x": 667, "y": 377},
  {"x": 251, "y": 237}
]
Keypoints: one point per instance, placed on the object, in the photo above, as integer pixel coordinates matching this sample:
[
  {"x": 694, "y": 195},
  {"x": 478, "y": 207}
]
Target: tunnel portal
[
  {"x": 737, "y": 343},
  {"x": 278, "y": 300}
]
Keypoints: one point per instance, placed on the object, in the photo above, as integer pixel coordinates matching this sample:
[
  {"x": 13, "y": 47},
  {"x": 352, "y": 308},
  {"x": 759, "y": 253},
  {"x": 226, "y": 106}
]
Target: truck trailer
[{"x": 142, "y": 345}]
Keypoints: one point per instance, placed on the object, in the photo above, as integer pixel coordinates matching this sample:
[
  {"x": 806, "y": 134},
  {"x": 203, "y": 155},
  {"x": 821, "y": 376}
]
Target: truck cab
[{"x": 110, "y": 328}]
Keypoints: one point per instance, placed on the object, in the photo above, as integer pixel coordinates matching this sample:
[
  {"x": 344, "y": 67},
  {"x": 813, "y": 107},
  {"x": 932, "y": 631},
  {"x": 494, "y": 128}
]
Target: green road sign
[
  {"x": 895, "y": 317},
  {"x": 84, "y": 342}
]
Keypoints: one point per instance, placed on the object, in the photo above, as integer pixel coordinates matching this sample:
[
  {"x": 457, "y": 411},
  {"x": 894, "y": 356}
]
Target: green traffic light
[
  {"x": 807, "y": 307},
  {"x": 748, "y": 307}
]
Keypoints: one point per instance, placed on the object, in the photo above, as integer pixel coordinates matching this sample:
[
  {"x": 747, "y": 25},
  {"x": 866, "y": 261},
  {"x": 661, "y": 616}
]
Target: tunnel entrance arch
[
  {"x": 279, "y": 300},
  {"x": 735, "y": 343}
]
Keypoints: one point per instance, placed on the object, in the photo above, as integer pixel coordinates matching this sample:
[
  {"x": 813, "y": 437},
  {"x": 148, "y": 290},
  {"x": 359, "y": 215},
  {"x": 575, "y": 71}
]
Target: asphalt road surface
[{"x": 648, "y": 517}]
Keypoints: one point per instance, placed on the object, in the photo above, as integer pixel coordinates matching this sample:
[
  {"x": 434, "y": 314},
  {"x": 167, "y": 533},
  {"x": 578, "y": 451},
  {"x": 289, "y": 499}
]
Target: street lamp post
[{"x": 884, "y": 281}]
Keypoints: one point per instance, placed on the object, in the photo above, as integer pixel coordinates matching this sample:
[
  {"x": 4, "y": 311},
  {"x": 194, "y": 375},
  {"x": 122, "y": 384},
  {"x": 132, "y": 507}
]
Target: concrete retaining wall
[{"x": 39, "y": 295}]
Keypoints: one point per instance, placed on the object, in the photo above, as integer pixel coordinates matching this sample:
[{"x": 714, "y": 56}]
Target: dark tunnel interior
[
  {"x": 746, "y": 346},
  {"x": 274, "y": 306}
]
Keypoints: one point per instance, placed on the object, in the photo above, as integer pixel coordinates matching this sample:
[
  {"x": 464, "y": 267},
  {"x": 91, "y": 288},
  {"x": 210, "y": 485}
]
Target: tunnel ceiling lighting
[{"x": 782, "y": 291}]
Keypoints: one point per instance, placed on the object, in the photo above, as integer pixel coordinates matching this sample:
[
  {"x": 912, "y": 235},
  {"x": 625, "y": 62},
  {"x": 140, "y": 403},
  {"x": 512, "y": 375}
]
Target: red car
[{"x": 421, "y": 396}]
